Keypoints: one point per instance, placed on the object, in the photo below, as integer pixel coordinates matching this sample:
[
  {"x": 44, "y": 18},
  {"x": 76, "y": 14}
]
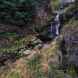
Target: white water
[
  {"x": 55, "y": 27},
  {"x": 57, "y": 20}
]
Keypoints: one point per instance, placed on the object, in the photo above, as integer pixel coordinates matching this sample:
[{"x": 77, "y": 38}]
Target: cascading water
[
  {"x": 56, "y": 23},
  {"x": 54, "y": 28}
]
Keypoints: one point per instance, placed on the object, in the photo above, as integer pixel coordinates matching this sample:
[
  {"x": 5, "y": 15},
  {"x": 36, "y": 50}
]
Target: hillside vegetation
[{"x": 27, "y": 51}]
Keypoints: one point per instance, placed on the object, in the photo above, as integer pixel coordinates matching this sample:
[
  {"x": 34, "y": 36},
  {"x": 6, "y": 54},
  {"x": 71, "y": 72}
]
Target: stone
[{"x": 27, "y": 52}]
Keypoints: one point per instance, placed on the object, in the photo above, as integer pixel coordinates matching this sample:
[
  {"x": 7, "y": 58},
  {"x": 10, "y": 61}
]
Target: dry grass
[{"x": 35, "y": 67}]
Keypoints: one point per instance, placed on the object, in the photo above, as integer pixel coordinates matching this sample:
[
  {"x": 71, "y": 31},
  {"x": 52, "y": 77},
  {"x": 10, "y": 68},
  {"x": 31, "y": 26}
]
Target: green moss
[
  {"x": 8, "y": 34},
  {"x": 55, "y": 4},
  {"x": 71, "y": 71},
  {"x": 14, "y": 75},
  {"x": 16, "y": 45}
]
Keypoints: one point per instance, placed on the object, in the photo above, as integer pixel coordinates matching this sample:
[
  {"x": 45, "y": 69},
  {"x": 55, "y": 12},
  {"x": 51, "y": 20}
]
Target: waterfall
[
  {"x": 57, "y": 29},
  {"x": 57, "y": 20},
  {"x": 54, "y": 28},
  {"x": 56, "y": 23},
  {"x": 57, "y": 17}
]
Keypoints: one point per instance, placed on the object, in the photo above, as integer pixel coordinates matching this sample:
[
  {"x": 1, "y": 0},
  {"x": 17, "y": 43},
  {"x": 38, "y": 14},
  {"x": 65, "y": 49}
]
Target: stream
[{"x": 57, "y": 22}]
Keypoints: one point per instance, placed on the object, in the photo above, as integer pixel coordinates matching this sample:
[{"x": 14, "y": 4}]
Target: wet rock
[
  {"x": 4, "y": 57},
  {"x": 27, "y": 52},
  {"x": 70, "y": 46}
]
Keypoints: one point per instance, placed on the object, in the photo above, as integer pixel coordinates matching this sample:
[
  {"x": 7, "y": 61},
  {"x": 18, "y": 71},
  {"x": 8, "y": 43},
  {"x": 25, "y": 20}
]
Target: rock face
[
  {"x": 70, "y": 46},
  {"x": 43, "y": 12},
  {"x": 74, "y": 49}
]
